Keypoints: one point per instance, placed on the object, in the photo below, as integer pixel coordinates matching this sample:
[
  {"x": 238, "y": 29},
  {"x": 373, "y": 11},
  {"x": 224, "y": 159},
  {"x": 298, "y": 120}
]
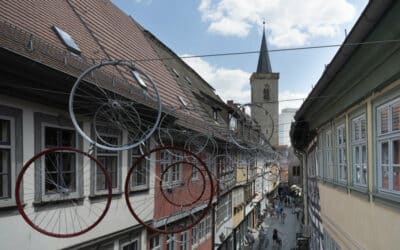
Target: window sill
[
  {"x": 7, "y": 206},
  {"x": 102, "y": 196},
  {"x": 359, "y": 191},
  {"x": 42, "y": 203},
  {"x": 139, "y": 190},
  {"x": 387, "y": 199}
]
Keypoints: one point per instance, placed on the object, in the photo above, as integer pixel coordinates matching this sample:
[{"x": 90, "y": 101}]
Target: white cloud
[
  {"x": 289, "y": 99},
  {"x": 234, "y": 84},
  {"x": 291, "y": 22},
  {"x": 229, "y": 84}
]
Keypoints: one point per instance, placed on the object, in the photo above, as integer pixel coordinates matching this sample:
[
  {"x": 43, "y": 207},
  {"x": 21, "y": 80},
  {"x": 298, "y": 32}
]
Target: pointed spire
[{"x": 264, "y": 64}]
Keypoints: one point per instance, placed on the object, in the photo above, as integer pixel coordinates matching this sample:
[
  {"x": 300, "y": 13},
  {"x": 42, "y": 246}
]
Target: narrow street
[{"x": 287, "y": 231}]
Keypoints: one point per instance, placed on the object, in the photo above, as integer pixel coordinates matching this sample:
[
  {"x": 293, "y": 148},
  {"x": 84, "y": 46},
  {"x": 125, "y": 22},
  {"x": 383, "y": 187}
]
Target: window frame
[
  {"x": 132, "y": 157},
  {"x": 328, "y": 156},
  {"x": 50, "y": 197},
  {"x": 11, "y": 174},
  {"x": 41, "y": 122},
  {"x": 171, "y": 171},
  {"x": 170, "y": 239},
  {"x": 358, "y": 145},
  {"x": 159, "y": 242},
  {"x": 105, "y": 153},
  {"x": 389, "y": 137},
  {"x": 341, "y": 152},
  {"x": 16, "y": 154},
  {"x": 184, "y": 240}
]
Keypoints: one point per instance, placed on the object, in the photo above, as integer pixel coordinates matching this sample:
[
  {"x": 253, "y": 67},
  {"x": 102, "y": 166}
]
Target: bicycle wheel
[
  {"x": 117, "y": 95},
  {"x": 52, "y": 192},
  {"x": 179, "y": 200}
]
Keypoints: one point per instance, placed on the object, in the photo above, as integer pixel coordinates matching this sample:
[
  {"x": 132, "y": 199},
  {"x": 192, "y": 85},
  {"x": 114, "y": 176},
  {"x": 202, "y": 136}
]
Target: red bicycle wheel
[
  {"x": 53, "y": 188},
  {"x": 192, "y": 188},
  {"x": 174, "y": 211}
]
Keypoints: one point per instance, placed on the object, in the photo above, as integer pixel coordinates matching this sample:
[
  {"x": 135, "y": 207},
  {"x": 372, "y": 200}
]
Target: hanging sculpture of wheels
[
  {"x": 115, "y": 95},
  {"x": 50, "y": 192},
  {"x": 182, "y": 192}
]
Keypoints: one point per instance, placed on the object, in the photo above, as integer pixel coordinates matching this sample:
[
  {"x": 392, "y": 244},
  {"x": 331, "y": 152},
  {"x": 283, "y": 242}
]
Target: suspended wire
[{"x": 270, "y": 51}]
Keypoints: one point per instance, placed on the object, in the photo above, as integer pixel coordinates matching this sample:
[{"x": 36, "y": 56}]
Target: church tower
[{"x": 264, "y": 92}]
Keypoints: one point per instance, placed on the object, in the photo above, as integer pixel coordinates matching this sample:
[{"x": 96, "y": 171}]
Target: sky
[{"x": 224, "y": 26}]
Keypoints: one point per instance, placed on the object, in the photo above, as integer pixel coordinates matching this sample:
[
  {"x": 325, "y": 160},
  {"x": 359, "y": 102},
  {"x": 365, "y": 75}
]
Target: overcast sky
[{"x": 220, "y": 26}]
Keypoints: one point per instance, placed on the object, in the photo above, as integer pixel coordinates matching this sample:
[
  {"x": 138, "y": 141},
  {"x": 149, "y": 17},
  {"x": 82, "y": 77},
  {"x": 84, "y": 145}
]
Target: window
[
  {"x": 194, "y": 235},
  {"x": 175, "y": 72},
  {"x": 224, "y": 209},
  {"x": 132, "y": 245},
  {"x": 328, "y": 155},
  {"x": 60, "y": 167},
  {"x": 110, "y": 161},
  {"x": 185, "y": 241},
  {"x": 140, "y": 176},
  {"x": 389, "y": 146},
  {"x": 215, "y": 114},
  {"x": 67, "y": 40},
  {"x": 296, "y": 171},
  {"x": 155, "y": 243},
  {"x": 195, "y": 171},
  {"x": 174, "y": 173},
  {"x": 341, "y": 153},
  {"x": 6, "y": 152},
  {"x": 266, "y": 93},
  {"x": 320, "y": 156},
  {"x": 359, "y": 150},
  {"x": 232, "y": 122},
  {"x": 183, "y": 102},
  {"x": 171, "y": 242}
]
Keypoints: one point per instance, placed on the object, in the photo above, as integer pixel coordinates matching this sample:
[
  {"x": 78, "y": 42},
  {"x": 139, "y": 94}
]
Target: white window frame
[
  {"x": 117, "y": 154},
  {"x": 388, "y": 137},
  {"x": 159, "y": 242},
  {"x": 341, "y": 157},
  {"x": 328, "y": 154},
  {"x": 50, "y": 197},
  {"x": 170, "y": 240},
  {"x": 357, "y": 145},
  {"x": 133, "y": 157},
  {"x": 122, "y": 245},
  {"x": 170, "y": 176},
  {"x": 320, "y": 156},
  {"x": 10, "y": 200},
  {"x": 185, "y": 240}
]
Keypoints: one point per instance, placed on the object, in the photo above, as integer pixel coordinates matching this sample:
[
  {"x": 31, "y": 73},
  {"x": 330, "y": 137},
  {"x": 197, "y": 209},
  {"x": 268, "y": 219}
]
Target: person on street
[
  {"x": 276, "y": 240},
  {"x": 283, "y": 216},
  {"x": 250, "y": 238}
]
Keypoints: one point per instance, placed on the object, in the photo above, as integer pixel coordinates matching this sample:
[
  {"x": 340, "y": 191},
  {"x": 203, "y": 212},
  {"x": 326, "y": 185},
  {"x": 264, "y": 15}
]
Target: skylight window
[
  {"x": 175, "y": 72},
  {"x": 67, "y": 40},
  {"x": 188, "y": 80},
  {"x": 184, "y": 104},
  {"x": 140, "y": 81}
]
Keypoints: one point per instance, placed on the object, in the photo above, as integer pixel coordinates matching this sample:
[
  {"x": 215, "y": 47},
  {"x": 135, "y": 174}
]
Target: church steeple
[{"x": 264, "y": 64}]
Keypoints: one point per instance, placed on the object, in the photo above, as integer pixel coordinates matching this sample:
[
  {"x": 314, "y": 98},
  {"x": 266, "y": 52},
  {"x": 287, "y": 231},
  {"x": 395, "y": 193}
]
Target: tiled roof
[{"x": 98, "y": 27}]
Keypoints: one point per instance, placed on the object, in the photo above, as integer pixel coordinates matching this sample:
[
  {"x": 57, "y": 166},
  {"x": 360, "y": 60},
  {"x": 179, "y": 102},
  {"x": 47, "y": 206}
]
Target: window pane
[
  {"x": 396, "y": 152},
  {"x": 51, "y": 138},
  {"x": 396, "y": 178},
  {"x": 4, "y": 132},
  {"x": 5, "y": 173},
  {"x": 110, "y": 163},
  {"x": 67, "y": 138},
  {"x": 384, "y": 115},
  {"x": 356, "y": 130},
  {"x": 385, "y": 177},
  {"x": 363, "y": 128},
  {"x": 396, "y": 117},
  {"x": 385, "y": 153},
  {"x": 131, "y": 246}
]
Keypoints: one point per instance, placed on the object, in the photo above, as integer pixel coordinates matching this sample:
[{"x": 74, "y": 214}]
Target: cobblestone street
[{"x": 287, "y": 232}]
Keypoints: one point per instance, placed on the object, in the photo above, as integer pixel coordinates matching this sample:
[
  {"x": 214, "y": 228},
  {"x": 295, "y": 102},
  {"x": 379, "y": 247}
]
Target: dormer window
[
  {"x": 215, "y": 115},
  {"x": 232, "y": 122},
  {"x": 67, "y": 40},
  {"x": 175, "y": 72}
]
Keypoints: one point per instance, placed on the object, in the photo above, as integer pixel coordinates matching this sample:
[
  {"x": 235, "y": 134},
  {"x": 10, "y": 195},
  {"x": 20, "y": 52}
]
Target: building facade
[
  {"x": 285, "y": 121},
  {"x": 348, "y": 139}
]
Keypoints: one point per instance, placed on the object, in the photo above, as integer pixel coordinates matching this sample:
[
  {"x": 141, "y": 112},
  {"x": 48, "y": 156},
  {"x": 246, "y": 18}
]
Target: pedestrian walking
[
  {"x": 276, "y": 240},
  {"x": 250, "y": 238},
  {"x": 283, "y": 216}
]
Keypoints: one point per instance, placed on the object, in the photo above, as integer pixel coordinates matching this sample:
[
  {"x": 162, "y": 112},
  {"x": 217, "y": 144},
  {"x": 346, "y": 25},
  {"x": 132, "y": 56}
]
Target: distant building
[
  {"x": 264, "y": 92},
  {"x": 285, "y": 120}
]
